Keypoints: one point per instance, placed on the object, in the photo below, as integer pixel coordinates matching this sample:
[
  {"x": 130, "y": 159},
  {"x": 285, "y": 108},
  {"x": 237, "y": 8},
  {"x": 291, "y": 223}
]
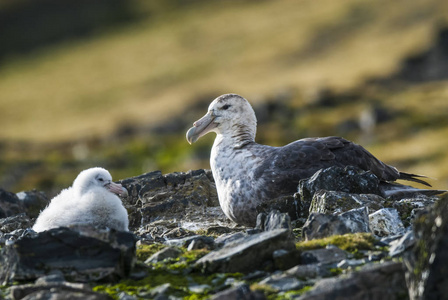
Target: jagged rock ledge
[{"x": 338, "y": 237}]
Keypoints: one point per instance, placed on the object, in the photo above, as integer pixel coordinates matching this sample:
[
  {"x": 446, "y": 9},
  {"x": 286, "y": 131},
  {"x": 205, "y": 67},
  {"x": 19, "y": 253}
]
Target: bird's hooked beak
[
  {"x": 201, "y": 127},
  {"x": 117, "y": 188}
]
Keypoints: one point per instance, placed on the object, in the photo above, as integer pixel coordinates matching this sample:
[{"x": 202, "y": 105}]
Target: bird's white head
[
  {"x": 230, "y": 115},
  {"x": 97, "y": 178}
]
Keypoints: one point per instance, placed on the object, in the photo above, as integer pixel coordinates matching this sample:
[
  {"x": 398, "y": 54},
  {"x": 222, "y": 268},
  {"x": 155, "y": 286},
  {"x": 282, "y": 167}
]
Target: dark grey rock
[
  {"x": 247, "y": 256},
  {"x": 386, "y": 221},
  {"x": 124, "y": 296},
  {"x": 378, "y": 282},
  {"x": 10, "y": 204},
  {"x": 427, "y": 261},
  {"x": 159, "y": 292},
  {"x": 241, "y": 292},
  {"x": 321, "y": 225},
  {"x": 168, "y": 252},
  {"x": 56, "y": 277},
  {"x": 81, "y": 255},
  {"x": 284, "y": 259},
  {"x": 154, "y": 196},
  {"x": 34, "y": 202},
  {"x": 20, "y": 221},
  {"x": 290, "y": 205},
  {"x": 408, "y": 208},
  {"x": 323, "y": 256},
  {"x": 63, "y": 294},
  {"x": 201, "y": 241},
  {"x": 177, "y": 233},
  {"x": 309, "y": 271},
  {"x": 63, "y": 290},
  {"x": 273, "y": 220},
  {"x": 230, "y": 238},
  {"x": 351, "y": 263},
  {"x": 282, "y": 283},
  {"x": 398, "y": 246},
  {"x": 349, "y": 180},
  {"x": 334, "y": 202}
]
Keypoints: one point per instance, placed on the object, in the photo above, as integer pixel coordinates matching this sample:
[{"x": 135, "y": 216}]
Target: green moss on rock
[
  {"x": 350, "y": 242},
  {"x": 145, "y": 251}
]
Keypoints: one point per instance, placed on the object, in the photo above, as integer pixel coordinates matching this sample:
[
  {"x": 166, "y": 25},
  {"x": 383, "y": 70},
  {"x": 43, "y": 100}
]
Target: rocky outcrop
[
  {"x": 384, "y": 281},
  {"x": 234, "y": 256},
  {"x": 351, "y": 236},
  {"x": 189, "y": 198},
  {"x": 55, "y": 287},
  {"x": 82, "y": 254},
  {"x": 10, "y": 204},
  {"x": 323, "y": 225},
  {"x": 427, "y": 261},
  {"x": 331, "y": 193}
]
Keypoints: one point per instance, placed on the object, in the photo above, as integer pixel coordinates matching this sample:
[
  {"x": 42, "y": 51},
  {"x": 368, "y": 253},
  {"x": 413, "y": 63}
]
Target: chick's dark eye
[
  {"x": 225, "y": 107},
  {"x": 100, "y": 179}
]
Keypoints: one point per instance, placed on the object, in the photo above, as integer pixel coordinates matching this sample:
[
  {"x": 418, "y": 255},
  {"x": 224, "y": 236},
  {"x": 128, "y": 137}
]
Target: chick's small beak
[
  {"x": 118, "y": 189},
  {"x": 201, "y": 127}
]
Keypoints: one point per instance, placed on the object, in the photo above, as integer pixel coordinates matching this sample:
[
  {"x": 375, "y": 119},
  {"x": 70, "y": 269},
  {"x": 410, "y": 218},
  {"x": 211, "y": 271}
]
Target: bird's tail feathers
[{"x": 414, "y": 178}]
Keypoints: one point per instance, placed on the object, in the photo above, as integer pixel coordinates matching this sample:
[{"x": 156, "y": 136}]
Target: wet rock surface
[{"x": 349, "y": 245}]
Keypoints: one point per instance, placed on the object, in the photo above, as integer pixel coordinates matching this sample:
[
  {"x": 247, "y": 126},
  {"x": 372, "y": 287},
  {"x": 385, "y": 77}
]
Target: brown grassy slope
[
  {"x": 146, "y": 72},
  {"x": 154, "y": 70}
]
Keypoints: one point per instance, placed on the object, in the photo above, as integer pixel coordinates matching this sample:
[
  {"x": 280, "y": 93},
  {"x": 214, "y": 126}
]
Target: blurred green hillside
[{"x": 117, "y": 85}]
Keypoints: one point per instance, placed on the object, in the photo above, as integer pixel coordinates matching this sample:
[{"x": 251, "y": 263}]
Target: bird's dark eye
[
  {"x": 100, "y": 179},
  {"x": 225, "y": 107}
]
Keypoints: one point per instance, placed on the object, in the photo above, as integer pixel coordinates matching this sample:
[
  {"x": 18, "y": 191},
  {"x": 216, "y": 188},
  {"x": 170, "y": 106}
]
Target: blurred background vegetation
[{"x": 116, "y": 83}]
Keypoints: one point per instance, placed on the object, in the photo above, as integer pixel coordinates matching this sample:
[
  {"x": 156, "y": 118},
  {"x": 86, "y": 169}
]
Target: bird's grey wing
[{"x": 282, "y": 168}]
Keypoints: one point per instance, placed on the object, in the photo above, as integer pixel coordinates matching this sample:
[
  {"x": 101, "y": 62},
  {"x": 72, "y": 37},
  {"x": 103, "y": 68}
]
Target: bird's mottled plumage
[
  {"x": 247, "y": 173},
  {"x": 91, "y": 200}
]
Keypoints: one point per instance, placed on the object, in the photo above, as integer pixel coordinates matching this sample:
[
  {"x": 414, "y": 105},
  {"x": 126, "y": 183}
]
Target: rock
[
  {"x": 81, "y": 255},
  {"x": 241, "y": 258},
  {"x": 398, "y": 246},
  {"x": 34, "y": 202},
  {"x": 321, "y": 225},
  {"x": 241, "y": 292},
  {"x": 350, "y": 263},
  {"x": 55, "y": 289},
  {"x": 290, "y": 205},
  {"x": 349, "y": 180},
  {"x": 329, "y": 255},
  {"x": 384, "y": 281},
  {"x": 174, "y": 196},
  {"x": 230, "y": 238},
  {"x": 308, "y": 271},
  {"x": 282, "y": 283},
  {"x": 426, "y": 262},
  {"x": 284, "y": 259},
  {"x": 169, "y": 252},
  {"x": 333, "y": 202},
  {"x": 201, "y": 241},
  {"x": 20, "y": 221},
  {"x": 274, "y": 220},
  {"x": 10, "y": 204},
  {"x": 386, "y": 221},
  {"x": 408, "y": 208},
  {"x": 177, "y": 233},
  {"x": 159, "y": 292}
]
